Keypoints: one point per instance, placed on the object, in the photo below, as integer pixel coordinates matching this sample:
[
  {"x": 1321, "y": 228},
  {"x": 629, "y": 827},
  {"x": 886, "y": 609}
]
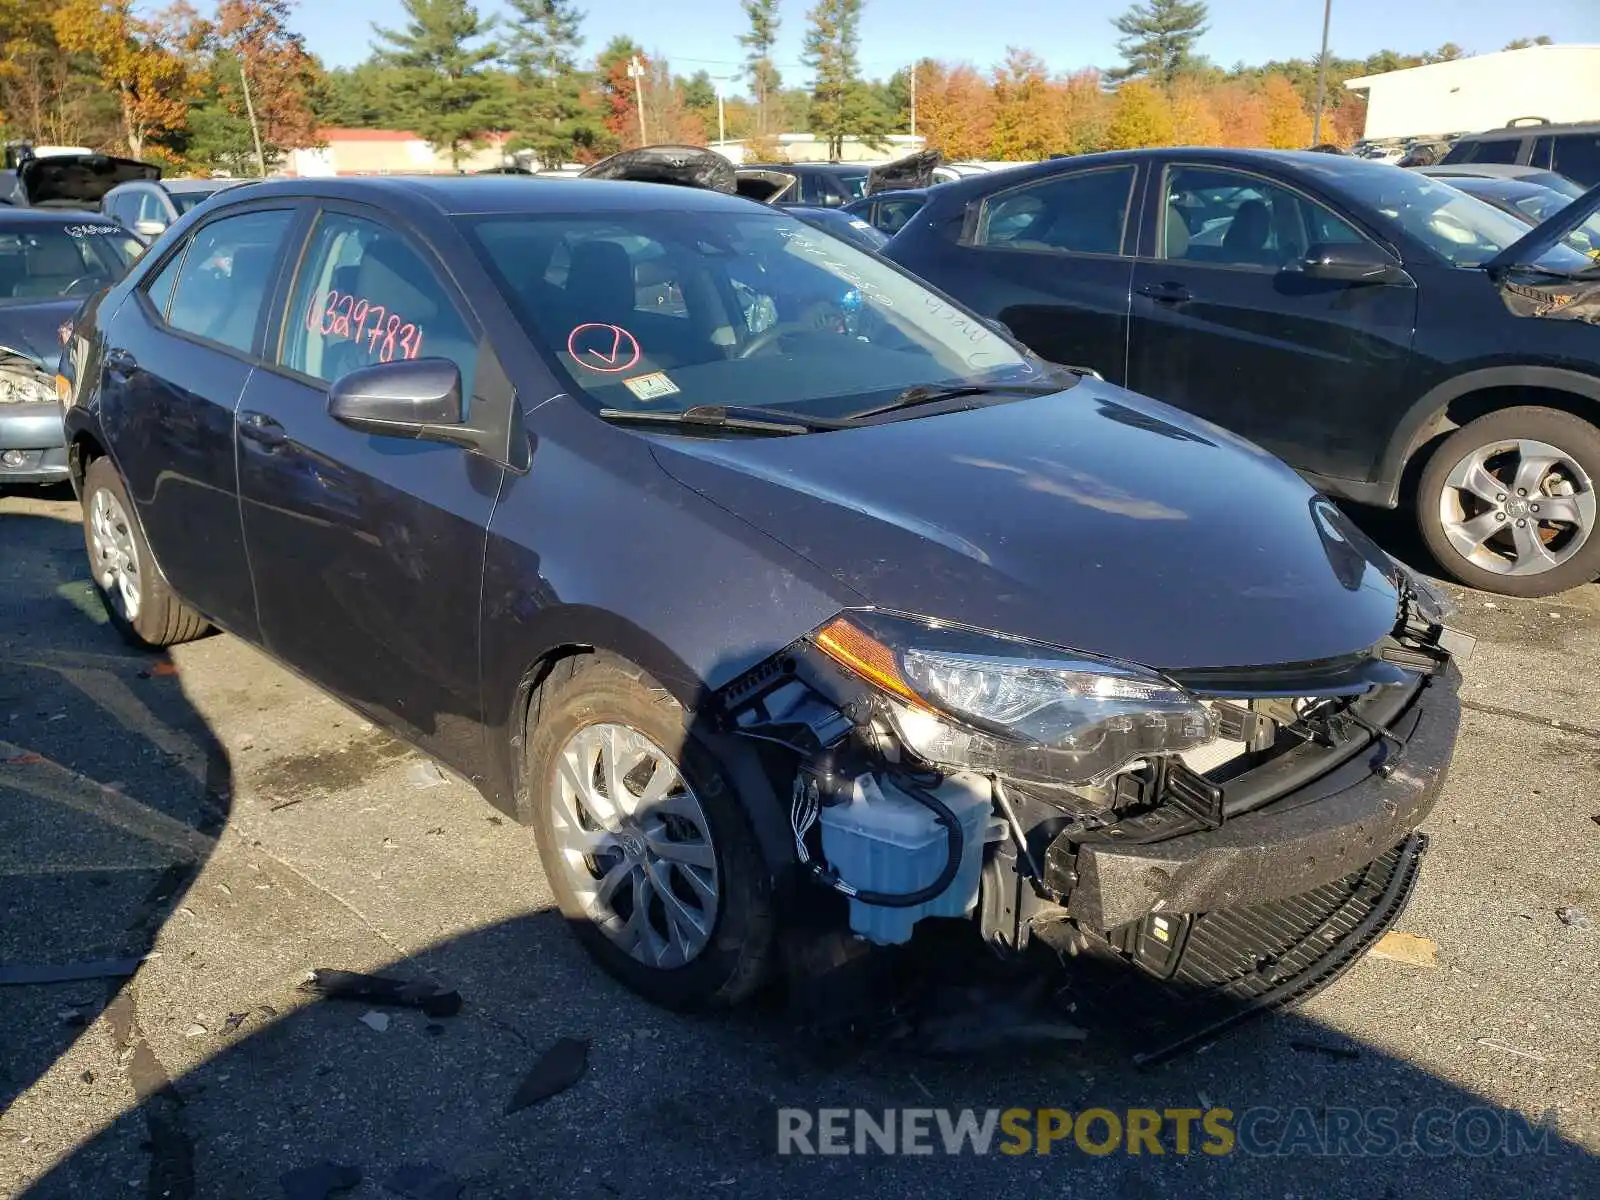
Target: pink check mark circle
[{"x": 610, "y": 349}]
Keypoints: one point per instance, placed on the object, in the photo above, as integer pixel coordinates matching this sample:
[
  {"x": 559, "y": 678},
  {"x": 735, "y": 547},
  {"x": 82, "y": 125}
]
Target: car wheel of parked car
[
  {"x": 1508, "y": 504},
  {"x": 647, "y": 850},
  {"x": 141, "y": 605}
]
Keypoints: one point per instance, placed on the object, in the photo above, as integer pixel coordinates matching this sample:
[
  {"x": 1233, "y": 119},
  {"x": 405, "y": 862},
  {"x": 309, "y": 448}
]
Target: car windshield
[
  {"x": 184, "y": 201},
  {"x": 658, "y": 312},
  {"x": 853, "y": 186},
  {"x": 1463, "y": 230},
  {"x": 1537, "y": 204},
  {"x": 39, "y": 261}
]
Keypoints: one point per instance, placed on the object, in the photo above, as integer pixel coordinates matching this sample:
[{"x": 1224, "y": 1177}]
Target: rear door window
[
  {"x": 1486, "y": 150},
  {"x": 1084, "y": 213},
  {"x": 226, "y": 275},
  {"x": 366, "y": 294},
  {"x": 1577, "y": 156}
]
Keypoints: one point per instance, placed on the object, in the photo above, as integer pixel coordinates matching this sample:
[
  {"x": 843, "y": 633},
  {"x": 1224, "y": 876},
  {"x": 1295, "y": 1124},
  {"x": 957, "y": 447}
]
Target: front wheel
[
  {"x": 1508, "y": 504},
  {"x": 647, "y": 849},
  {"x": 140, "y": 604}
]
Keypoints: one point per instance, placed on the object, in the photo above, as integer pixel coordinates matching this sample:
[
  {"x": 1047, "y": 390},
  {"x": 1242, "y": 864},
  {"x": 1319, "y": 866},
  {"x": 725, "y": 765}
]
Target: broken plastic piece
[
  {"x": 319, "y": 1181},
  {"x": 423, "y": 994},
  {"x": 376, "y": 1021},
  {"x": 111, "y": 968},
  {"x": 558, "y": 1068},
  {"x": 1575, "y": 917},
  {"x": 1407, "y": 948}
]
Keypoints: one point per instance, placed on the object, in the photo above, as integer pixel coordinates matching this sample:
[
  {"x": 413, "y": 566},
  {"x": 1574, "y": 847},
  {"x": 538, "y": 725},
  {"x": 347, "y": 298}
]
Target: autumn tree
[
  {"x": 265, "y": 77},
  {"x": 139, "y": 61},
  {"x": 1288, "y": 123},
  {"x": 1027, "y": 121},
  {"x": 831, "y": 50},
  {"x": 955, "y": 109},
  {"x": 1241, "y": 113},
  {"x": 1158, "y": 39},
  {"x": 1194, "y": 120},
  {"x": 1140, "y": 116},
  {"x": 1085, "y": 113},
  {"x": 443, "y": 89},
  {"x": 547, "y": 110},
  {"x": 758, "y": 43},
  {"x": 615, "y": 92},
  {"x": 47, "y": 94}
]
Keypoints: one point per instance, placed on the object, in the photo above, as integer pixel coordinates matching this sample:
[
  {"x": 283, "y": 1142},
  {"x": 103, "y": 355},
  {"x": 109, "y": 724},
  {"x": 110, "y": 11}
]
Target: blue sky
[{"x": 696, "y": 34}]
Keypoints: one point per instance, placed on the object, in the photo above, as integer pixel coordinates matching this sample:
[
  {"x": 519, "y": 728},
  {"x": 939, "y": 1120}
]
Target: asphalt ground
[{"x": 209, "y": 811}]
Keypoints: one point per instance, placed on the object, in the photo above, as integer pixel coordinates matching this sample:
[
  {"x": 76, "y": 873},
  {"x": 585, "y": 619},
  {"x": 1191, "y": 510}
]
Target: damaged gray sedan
[{"x": 776, "y": 591}]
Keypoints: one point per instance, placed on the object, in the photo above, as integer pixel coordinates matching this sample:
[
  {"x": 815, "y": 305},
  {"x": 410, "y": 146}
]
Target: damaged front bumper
[
  {"x": 33, "y": 444},
  {"x": 1306, "y": 838}
]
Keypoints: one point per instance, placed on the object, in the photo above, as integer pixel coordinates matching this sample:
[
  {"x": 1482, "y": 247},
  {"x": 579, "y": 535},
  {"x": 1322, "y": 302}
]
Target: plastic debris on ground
[
  {"x": 430, "y": 997},
  {"x": 426, "y": 775},
  {"x": 376, "y": 1020},
  {"x": 1575, "y": 917},
  {"x": 558, "y": 1068},
  {"x": 1409, "y": 948}
]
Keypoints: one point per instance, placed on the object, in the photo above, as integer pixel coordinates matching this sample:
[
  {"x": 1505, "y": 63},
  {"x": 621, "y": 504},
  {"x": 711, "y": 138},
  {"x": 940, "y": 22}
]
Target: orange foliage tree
[
  {"x": 1288, "y": 123},
  {"x": 1241, "y": 114},
  {"x": 955, "y": 109},
  {"x": 141, "y": 62},
  {"x": 279, "y": 71},
  {"x": 1141, "y": 115},
  {"x": 1029, "y": 118}
]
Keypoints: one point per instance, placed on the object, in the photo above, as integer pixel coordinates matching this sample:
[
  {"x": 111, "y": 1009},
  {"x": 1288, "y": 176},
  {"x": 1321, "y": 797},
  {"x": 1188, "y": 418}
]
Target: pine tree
[
  {"x": 444, "y": 91},
  {"x": 841, "y": 103},
  {"x": 547, "y": 111},
  {"x": 1158, "y": 39},
  {"x": 764, "y": 78}
]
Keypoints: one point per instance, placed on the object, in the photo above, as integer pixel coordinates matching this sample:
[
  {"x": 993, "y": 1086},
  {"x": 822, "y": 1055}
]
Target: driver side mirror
[
  {"x": 149, "y": 230},
  {"x": 412, "y": 398},
  {"x": 1350, "y": 262}
]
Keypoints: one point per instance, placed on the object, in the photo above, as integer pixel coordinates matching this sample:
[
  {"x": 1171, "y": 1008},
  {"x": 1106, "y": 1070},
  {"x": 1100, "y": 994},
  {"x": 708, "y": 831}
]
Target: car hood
[
  {"x": 34, "y": 330},
  {"x": 1091, "y": 519}
]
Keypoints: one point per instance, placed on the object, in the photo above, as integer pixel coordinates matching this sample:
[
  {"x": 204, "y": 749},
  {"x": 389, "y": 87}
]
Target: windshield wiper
[
  {"x": 929, "y": 393},
  {"x": 774, "y": 421}
]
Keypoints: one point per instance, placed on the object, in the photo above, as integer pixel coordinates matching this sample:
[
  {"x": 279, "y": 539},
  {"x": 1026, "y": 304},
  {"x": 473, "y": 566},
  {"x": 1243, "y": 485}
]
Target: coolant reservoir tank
[{"x": 882, "y": 840}]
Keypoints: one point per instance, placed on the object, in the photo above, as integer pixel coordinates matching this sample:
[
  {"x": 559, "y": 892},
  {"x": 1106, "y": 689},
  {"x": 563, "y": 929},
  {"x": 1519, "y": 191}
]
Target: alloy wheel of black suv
[{"x": 1507, "y": 503}]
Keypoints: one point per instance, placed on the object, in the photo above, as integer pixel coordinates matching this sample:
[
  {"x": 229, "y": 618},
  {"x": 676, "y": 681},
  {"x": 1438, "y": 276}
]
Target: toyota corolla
[{"x": 762, "y": 580}]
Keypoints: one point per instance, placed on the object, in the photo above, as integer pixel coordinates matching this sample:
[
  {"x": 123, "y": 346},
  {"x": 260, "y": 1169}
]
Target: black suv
[
  {"x": 1364, "y": 323},
  {"x": 1570, "y": 150}
]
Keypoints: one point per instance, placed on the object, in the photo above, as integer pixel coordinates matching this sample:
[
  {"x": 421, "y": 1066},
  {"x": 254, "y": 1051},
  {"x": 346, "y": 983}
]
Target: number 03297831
[{"x": 388, "y": 335}]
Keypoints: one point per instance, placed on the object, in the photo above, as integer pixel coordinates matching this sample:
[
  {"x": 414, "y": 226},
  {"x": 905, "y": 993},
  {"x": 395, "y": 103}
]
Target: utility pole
[
  {"x": 913, "y": 99},
  {"x": 636, "y": 71},
  {"x": 722, "y": 127},
  {"x": 1322, "y": 73},
  {"x": 255, "y": 130}
]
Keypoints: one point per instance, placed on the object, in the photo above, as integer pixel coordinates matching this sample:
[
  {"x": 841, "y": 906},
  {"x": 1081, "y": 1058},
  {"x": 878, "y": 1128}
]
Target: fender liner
[{"x": 1416, "y": 426}]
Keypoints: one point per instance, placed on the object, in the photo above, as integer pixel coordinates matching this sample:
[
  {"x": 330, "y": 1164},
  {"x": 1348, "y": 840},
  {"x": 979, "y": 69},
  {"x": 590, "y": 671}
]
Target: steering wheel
[{"x": 817, "y": 318}]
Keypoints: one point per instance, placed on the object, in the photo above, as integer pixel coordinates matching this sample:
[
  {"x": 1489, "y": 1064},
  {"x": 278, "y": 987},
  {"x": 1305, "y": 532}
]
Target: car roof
[
  {"x": 198, "y": 185},
  {"x": 24, "y": 215},
  {"x": 1522, "y": 131},
  {"x": 1486, "y": 170},
  {"x": 461, "y": 195},
  {"x": 1497, "y": 185}
]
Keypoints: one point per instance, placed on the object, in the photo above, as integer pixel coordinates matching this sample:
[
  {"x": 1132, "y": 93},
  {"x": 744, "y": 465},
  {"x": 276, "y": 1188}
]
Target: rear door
[
  {"x": 178, "y": 354},
  {"x": 1225, "y": 327},
  {"x": 367, "y": 551},
  {"x": 1051, "y": 259}
]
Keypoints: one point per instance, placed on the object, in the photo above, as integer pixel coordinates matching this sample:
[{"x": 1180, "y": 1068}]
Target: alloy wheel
[
  {"x": 636, "y": 845},
  {"x": 116, "y": 557},
  {"x": 1517, "y": 507}
]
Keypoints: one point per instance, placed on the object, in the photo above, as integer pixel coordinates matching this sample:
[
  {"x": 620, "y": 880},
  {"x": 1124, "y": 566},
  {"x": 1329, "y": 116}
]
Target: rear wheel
[
  {"x": 645, "y": 845},
  {"x": 1508, "y": 502},
  {"x": 140, "y": 604}
]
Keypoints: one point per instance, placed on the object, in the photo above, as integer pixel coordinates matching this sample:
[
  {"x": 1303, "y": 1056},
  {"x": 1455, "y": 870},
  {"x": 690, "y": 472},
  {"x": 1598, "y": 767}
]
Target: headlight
[
  {"x": 17, "y": 388},
  {"x": 978, "y": 700}
]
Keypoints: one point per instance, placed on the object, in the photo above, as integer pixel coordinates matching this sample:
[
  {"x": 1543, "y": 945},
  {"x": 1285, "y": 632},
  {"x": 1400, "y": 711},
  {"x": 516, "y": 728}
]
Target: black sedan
[
  {"x": 774, "y": 587},
  {"x": 50, "y": 262},
  {"x": 1351, "y": 317}
]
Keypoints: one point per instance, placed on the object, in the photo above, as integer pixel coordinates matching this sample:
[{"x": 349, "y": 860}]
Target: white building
[{"x": 1466, "y": 95}]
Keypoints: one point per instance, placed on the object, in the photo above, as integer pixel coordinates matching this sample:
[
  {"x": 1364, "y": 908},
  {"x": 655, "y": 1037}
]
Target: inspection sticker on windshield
[{"x": 652, "y": 386}]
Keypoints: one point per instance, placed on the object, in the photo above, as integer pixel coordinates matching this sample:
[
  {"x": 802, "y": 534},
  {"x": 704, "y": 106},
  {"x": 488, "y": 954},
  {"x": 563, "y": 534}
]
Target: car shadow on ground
[
  {"x": 112, "y": 794},
  {"x": 668, "y": 1105}
]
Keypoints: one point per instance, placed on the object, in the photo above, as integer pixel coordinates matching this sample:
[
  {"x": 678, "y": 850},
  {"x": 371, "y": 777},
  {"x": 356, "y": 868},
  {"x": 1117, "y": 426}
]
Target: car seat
[{"x": 1249, "y": 232}]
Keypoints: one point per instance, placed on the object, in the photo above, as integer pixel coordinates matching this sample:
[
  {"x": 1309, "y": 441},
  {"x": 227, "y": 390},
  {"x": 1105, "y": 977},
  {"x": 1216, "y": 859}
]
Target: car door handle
[
  {"x": 259, "y": 427},
  {"x": 1167, "y": 293}
]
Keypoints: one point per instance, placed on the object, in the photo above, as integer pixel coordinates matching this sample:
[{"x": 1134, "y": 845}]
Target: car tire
[
  {"x": 1456, "y": 503},
  {"x": 586, "y": 699},
  {"x": 142, "y": 607}
]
